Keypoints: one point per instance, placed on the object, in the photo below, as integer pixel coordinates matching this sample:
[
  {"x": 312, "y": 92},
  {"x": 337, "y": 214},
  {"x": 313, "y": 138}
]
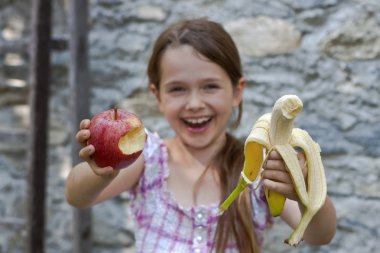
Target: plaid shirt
[{"x": 163, "y": 226}]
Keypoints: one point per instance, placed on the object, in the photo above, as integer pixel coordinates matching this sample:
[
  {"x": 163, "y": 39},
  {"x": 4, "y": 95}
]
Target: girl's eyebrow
[
  {"x": 175, "y": 82},
  {"x": 212, "y": 79},
  {"x": 172, "y": 83}
]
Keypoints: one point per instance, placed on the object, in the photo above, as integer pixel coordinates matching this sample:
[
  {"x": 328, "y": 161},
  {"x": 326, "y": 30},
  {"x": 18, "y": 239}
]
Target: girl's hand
[
  {"x": 88, "y": 150},
  {"x": 277, "y": 178}
]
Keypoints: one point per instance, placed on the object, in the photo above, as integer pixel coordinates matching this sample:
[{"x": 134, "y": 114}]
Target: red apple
[{"x": 118, "y": 137}]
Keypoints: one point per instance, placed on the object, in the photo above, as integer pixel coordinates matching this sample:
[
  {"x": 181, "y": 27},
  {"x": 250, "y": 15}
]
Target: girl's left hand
[{"x": 277, "y": 178}]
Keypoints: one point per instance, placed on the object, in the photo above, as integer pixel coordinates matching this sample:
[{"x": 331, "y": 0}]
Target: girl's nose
[{"x": 195, "y": 101}]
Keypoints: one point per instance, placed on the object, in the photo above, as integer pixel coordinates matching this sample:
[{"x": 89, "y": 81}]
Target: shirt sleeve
[
  {"x": 261, "y": 216},
  {"x": 152, "y": 177}
]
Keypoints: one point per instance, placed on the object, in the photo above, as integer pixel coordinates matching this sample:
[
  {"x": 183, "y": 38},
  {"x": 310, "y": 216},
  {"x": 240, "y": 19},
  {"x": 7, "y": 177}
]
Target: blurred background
[{"x": 325, "y": 51}]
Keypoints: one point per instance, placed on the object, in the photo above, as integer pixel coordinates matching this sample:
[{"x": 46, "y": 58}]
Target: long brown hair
[{"x": 212, "y": 41}]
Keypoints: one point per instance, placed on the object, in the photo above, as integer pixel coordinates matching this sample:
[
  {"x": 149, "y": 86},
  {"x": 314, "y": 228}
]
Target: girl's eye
[
  {"x": 211, "y": 86},
  {"x": 176, "y": 89}
]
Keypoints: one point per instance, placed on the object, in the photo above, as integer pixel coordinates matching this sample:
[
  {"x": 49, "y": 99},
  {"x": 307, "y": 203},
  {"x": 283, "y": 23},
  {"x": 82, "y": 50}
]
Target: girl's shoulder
[
  {"x": 261, "y": 214},
  {"x": 155, "y": 170},
  {"x": 155, "y": 145},
  {"x": 155, "y": 152}
]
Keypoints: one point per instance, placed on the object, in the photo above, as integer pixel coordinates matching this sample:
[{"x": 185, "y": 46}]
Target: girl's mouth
[{"x": 197, "y": 125}]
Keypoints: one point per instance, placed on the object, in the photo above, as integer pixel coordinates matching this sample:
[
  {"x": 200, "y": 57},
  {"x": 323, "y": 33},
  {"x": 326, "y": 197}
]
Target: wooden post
[
  {"x": 38, "y": 100},
  {"x": 79, "y": 84}
]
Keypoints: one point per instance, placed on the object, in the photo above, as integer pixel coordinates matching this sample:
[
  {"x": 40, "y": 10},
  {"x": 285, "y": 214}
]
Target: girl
[{"x": 178, "y": 183}]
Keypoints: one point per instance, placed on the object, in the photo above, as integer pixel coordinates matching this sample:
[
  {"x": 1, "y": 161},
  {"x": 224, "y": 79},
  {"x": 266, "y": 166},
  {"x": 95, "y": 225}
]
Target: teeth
[{"x": 197, "y": 121}]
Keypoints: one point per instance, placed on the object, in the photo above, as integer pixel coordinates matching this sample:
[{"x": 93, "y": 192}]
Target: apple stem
[{"x": 115, "y": 110}]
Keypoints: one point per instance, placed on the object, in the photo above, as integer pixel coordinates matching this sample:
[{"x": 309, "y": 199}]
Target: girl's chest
[{"x": 192, "y": 186}]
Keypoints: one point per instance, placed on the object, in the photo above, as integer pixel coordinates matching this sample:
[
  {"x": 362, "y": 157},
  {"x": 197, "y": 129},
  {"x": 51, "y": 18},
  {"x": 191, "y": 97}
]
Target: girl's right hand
[{"x": 88, "y": 150}]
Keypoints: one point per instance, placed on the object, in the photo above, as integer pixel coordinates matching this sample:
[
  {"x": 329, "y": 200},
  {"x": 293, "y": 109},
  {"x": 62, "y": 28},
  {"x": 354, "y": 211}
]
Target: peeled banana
[{"x": 274, "y": 131}]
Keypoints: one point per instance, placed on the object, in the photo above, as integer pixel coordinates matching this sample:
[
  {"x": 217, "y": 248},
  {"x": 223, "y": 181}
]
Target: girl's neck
[
  {"x": 187, "y": 166},
  {"x": 190, "y": 155}
]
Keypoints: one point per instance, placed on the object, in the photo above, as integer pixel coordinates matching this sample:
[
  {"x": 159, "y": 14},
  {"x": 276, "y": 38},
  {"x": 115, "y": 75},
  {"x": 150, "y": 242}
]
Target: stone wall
[{"x": 325, "y": 51}]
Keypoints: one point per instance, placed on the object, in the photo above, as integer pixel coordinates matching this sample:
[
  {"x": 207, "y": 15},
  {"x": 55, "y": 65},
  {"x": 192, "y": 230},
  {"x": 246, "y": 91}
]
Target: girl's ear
[
  {"x": 238, "y": 91},
  {"x": 154, "y": 91}
]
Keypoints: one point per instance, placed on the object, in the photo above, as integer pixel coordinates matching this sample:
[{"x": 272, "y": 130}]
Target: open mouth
[{"x": 197, "y": 124}]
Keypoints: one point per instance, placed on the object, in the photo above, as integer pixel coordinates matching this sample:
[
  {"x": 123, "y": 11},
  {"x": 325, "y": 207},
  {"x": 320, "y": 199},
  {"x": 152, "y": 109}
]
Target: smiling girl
[{"x": 177, "y": 184}]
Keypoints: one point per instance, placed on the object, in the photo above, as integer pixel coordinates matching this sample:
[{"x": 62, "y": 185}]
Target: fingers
[
  {"x": 86, "y": 152},
  {"x": 84, "y": 124},
  {"x": 107, "y": 172},
  {"x": 274, "y": 155},
  {"x": 82, "y": 137},
  {"x": 275, "y": 165},
  {"x": 275, "y": 169},
  {"x": 303, "y": 163},
  {"x": 277, "y": 176},
  {"x": 83, "y": 134},
  {"x": 275, "y": 162},
  {"x": 286, "y": 189}
]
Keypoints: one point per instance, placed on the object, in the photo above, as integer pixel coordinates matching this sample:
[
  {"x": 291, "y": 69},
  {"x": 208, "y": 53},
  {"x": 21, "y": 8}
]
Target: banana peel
[{"x": 275, "y": 131}]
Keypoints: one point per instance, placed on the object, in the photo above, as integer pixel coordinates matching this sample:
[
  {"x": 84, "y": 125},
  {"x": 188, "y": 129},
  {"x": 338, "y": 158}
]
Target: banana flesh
[{"x": 274, "y": 131}]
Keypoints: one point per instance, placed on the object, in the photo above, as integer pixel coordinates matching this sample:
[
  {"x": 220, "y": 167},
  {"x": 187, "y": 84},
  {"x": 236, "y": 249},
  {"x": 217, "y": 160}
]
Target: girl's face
[{"x": 196, "y": 96}]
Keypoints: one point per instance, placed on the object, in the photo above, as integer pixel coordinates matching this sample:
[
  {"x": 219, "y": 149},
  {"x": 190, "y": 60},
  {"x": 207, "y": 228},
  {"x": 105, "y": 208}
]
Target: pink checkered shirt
[{"x": 163, "y": 226}]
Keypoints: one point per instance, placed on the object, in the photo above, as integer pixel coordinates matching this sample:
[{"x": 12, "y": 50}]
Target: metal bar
[
  {"x": 79, "y": 84},
  {"x": 21, "y": 46},
  {"x": 38, "y": 139}
]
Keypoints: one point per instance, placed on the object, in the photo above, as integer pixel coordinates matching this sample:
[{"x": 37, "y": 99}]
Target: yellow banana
[{"x": 274, "y": 131}]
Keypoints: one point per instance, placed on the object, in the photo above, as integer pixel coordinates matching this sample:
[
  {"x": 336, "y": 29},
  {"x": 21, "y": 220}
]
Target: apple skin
[{"x": 106, "y": 130}]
